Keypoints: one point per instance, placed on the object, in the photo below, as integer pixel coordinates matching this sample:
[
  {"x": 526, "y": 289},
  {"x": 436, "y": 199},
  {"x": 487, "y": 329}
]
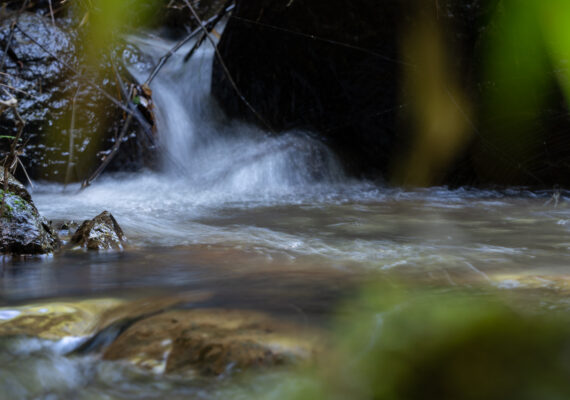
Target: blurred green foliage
[
  {"x": 105, "y": 19},
  {"x": 526, "y": 53},
  {"x": 554, "y": 17},
  {"x": 403, "y": 344}
]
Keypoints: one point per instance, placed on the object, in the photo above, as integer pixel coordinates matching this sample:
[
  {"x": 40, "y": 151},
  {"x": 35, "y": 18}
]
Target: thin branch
[
  {"x": 18, "y": 90},
  {"x": 129, "y": 108},
  {"x": 325, "y": 40},
  {"x": 109, "y": 157},
  {"x": 26, "y": 172},
  {"x": 71, "y": 136},
  {"x": 51, "y": 12},
  {"x": 210, "y": 25},
  {"x": 170, "y": 53},
  {"x": 179, "y": 45},
  {"x": 13, "y": 25},
  {"x": 119, "y": 139}
]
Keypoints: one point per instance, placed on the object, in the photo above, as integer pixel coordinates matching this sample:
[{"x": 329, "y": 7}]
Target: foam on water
[{"x": 225, "y": 182}]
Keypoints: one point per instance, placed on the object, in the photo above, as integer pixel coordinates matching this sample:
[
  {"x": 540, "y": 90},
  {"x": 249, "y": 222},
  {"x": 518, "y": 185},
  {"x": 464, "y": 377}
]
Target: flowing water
[{"x": 259, "y": 222}]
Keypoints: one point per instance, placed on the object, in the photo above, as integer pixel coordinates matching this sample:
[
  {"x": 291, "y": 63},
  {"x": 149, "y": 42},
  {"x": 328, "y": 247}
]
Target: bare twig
[
  {"x": 170, "y": 53},
  {"x": 70, "y": 162},
  {"x": 325, "y": 40},
  {"x": 210, "y": 25},
  {"x": 226, "y": 70},
  {"x": 51, "y": 12},
  {"x": 13, "y": 25},
  {"x": 109, "y": 157},
  {"x": 18, "y": 90},
  {"x": 119, "y": 139},
  {"x": 227, "y": 8}
]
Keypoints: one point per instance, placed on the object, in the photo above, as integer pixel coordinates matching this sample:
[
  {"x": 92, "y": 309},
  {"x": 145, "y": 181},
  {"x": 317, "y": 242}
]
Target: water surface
[{"x": 261, "y": 222}]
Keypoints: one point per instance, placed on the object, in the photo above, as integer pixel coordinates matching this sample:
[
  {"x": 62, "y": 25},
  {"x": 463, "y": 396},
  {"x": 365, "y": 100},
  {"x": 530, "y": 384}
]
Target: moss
[
  {"x": 12, "y": 203},
  {"x": 8, "y": 209}
]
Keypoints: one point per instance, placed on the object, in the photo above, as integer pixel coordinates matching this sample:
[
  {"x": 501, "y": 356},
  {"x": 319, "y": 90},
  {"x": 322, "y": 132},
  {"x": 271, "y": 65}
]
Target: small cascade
[{"x": 211, "y": 153}]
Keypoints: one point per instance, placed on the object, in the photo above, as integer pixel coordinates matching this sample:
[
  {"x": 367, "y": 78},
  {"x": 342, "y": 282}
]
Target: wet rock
[
  {"x": 212, "y": 342},
  {"x": 100, "y": 233},
  {"x": 55, "y": 320},
  {"x": 22, "y": 229},
  {"x": 40, "y": 80},
  {"x": 50, "y": 96},
  {"x": 15, "y": 186},
  {"x": 38, "y": 66}
]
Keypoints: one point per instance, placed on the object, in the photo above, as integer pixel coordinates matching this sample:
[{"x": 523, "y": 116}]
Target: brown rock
[
  {"x": 211, "y": 342},
  {"x": 101, "y": 233}
]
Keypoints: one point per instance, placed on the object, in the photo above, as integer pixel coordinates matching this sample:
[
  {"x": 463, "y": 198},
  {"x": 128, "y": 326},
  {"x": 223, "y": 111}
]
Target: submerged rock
[
  {"x": 154, "y": 335},
  {"x": 22, "y": 229},
  {"x": 100, "y": 233},
  {"x": 55, "y": 320},
  {"x": 211, "y": 342}
]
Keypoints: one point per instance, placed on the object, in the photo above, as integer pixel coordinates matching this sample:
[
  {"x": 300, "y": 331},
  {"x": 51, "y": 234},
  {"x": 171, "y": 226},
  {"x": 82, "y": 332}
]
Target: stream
[{"x": 240, "y": 219}]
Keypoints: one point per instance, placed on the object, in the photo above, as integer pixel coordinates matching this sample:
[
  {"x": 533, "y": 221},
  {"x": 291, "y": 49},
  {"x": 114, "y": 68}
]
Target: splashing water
[{"x": 231, "y": 185}]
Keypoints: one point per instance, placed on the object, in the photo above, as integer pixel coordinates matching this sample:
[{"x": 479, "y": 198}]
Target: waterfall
[
  {"x": 210, "y": 152},
  {"x": 209, "y": 164}
]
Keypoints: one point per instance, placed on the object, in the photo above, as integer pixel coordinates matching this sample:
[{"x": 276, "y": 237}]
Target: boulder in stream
[
  {"x": 212, "y": 342},
  {"x": 22, "y": 229},
  {"x": 100, "y": 233}
]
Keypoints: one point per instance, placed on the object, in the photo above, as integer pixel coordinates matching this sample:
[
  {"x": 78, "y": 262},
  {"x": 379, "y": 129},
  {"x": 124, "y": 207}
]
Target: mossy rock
[
  {"x": 55, "y": 320},
  {"x": 22, "y": 229}
]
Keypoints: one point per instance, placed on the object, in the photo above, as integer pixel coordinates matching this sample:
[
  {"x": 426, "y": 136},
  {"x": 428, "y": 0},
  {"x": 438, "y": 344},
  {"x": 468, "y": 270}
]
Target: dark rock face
[
  {"x": 40, "y": 79},
  {"x": 338, "y": 69},
  {"x": 310, "y": 64},
  {"x": 38, "y": 65},
  {"x": 50, "y": 96},
  {"x": 101, "y": 233},
  {"x": 22, "y": 229},
  {"x": 333, "y": 67}
]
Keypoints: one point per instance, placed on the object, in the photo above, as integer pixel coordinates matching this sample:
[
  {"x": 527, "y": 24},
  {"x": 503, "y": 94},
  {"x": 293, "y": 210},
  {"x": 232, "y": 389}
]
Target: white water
[
  {"x": 208, "y": 161},
  {"x": 230, "y": 184}
]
